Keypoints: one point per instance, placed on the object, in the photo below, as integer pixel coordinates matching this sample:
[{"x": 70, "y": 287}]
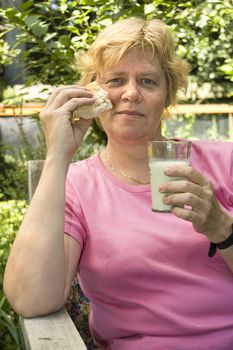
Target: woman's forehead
[{"x": 136, "y": 60}]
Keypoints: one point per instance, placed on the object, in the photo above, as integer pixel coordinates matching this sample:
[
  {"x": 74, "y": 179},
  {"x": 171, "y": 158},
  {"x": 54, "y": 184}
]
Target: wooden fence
[{"x": 181, "y": 109}]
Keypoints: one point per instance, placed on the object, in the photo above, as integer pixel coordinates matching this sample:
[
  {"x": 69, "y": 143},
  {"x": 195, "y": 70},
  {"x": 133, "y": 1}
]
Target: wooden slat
[
  {"x": 34, "y": 171},
  {"x": 25, "y": 110},
  {"x": 202, "y": 109},
  {"x": 30, "y": 109},
  {"x": 230, "y": 126},
  {"x": 52, "y": 332}
]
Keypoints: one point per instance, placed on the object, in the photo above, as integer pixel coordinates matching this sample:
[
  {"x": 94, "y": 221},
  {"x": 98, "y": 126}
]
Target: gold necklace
[{"x": 120, "y": 172}]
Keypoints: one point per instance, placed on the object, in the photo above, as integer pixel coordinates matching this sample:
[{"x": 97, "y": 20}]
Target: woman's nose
[{"x": 132, "y": 92}]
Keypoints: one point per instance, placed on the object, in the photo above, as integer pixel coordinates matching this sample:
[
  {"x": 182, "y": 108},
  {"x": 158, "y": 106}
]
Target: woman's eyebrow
[
  {"x": 146, "y": 73},
  {"x": 110, "y": 74},
  {"x": 150, "y": 74}
]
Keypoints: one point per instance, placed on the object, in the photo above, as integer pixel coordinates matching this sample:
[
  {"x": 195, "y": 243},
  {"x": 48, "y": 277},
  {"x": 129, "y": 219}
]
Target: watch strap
[{"x": 221, "y": 245}]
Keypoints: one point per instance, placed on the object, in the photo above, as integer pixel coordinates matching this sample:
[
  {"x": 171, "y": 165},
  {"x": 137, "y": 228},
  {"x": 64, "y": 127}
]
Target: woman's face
[{"x": 137, "y": 89}]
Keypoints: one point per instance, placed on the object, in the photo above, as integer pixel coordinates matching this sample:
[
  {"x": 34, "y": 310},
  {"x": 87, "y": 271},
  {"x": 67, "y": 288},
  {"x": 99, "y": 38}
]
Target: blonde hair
[{"x": 155, "y": 40}]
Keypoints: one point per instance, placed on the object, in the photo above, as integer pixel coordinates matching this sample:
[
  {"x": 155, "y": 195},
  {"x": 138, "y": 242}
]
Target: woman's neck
[{"x": 129, "y": 164}]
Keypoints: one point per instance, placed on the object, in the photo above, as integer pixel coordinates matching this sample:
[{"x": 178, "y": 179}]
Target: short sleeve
[
  {"x": 74, "y": 218},
  {"x": 215, "y": 160}
]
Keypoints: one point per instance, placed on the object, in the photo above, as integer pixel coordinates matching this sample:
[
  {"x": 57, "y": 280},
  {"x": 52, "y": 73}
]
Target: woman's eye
[
  {"x": 147, "y": 81},
  {"x": 115, "y": 81}
]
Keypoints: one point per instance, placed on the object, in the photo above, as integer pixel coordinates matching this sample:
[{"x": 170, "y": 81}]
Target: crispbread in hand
[{"x": 101, "y": 104}]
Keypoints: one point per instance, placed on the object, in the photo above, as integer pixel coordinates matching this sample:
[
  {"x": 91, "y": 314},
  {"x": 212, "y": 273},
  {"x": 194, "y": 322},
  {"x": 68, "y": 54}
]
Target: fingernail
[
  {"x": 161, "y": 188},
  {"x": 167, "y": 171}
]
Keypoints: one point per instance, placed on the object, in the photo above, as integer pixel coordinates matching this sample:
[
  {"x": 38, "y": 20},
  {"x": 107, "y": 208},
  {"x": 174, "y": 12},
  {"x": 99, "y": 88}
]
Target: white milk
[{"x": 157, "y": 178}]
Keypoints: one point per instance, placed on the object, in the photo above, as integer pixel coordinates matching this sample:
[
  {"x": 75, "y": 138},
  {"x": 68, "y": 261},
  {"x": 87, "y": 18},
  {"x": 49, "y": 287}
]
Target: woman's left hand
[{"x": 193, "y": 199}]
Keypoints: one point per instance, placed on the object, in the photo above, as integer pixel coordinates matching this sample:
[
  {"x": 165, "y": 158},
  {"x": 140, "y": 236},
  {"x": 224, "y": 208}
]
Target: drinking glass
[{"x": 163, "y": 154}]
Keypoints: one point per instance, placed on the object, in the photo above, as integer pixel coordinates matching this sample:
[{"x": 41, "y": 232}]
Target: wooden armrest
[{"x": 55, "y": 331}]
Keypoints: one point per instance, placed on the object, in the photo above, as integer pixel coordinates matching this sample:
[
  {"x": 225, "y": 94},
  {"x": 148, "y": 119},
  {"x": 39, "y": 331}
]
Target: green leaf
[
  {"x": 38, "y": 27},
  {"x": 150, "y": 8},
  {"x": 9, "y": 324},
  {"x": 105, "y": 22},
  {"x": 227, "y": 68},
  {"x": 63, "y": 8},
  {"x": 32, "y": 20},
  {"x": 26, "y": 5}
]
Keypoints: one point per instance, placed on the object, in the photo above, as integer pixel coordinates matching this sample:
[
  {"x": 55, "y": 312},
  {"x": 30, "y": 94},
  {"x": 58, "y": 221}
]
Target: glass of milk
[{"x": 163, "y": 154}]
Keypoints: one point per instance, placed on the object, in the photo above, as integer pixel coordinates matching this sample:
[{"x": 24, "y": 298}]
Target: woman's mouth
[{"x": 128, "y": 112}]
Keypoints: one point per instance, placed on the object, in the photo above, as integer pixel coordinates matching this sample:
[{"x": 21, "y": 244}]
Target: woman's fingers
[
  {"x": 187, "y": 172},
  {"x": 183, "y": 186},
  {"x": 72, "y": 104},
  {"x": 185, "y": 199},
  {"x": 64, "y": 95},
  {"x": 65, "y": 104},
  {"x": 55, "y": 117},
  {"x": 80, "y": 129},
  {"x": 193, "y": 189},
  {"x": 184, "y": 213},
  {"x": 61, "y": 89},
  {"x": 193, "y": 199}
]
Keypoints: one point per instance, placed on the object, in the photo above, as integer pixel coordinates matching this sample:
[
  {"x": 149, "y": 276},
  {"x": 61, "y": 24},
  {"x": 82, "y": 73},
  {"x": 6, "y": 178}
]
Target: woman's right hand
[{"x": 61, "y": 136}]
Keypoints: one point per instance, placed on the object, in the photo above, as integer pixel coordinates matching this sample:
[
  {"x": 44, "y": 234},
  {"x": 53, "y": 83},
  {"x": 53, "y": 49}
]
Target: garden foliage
[
  {"x": 54, "y": 31},
  {"x": 11, "y": 215}
]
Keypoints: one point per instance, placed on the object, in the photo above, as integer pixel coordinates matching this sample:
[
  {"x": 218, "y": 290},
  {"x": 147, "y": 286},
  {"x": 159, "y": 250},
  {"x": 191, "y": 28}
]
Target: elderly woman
[{"x": 148, "y": 276}]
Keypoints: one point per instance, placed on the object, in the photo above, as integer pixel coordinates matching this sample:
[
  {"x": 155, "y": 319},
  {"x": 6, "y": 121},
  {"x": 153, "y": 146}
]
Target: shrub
[
  {"x": 11, "y": 215},
  {"x": 13, "y": 176},
  {"x": 13, "y": 162}
]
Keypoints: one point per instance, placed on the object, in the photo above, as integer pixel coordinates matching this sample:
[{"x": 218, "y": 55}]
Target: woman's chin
[{"x": 131, "y": 136}]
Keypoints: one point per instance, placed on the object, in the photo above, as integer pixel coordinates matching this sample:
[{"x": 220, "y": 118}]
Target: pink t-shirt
[{"x": 147, "y": 275}]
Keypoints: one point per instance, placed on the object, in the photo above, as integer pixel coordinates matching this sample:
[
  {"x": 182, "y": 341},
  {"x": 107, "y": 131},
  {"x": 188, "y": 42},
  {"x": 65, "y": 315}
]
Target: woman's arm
[{"x": 41, "y": 264}]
